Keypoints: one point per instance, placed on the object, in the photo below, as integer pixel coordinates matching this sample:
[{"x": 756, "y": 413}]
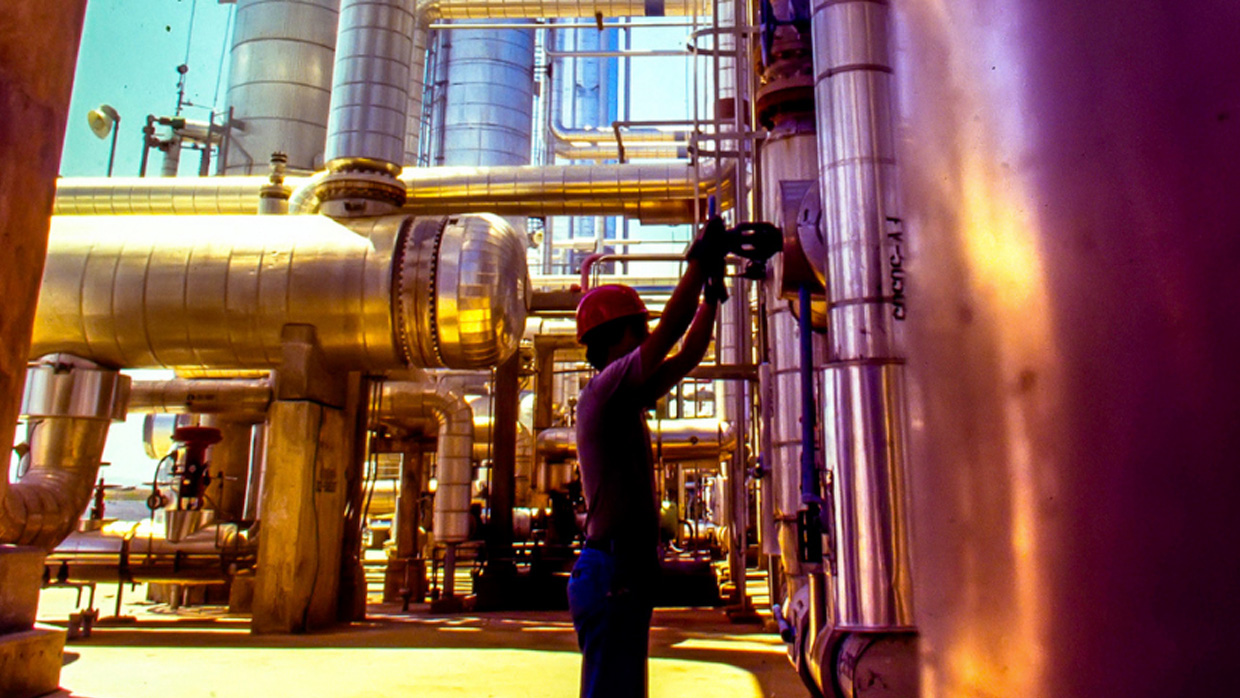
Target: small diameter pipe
[
  {"x": 810, "y": 493},
  {"x": 587, "y": 264}
]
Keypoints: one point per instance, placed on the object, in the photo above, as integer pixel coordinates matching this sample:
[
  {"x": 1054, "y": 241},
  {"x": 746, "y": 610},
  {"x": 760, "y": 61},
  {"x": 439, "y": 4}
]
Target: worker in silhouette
[{"x": 610, "y": 591}]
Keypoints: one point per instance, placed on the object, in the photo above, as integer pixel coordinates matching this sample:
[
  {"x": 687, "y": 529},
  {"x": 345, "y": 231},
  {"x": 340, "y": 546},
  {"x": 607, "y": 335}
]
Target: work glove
[
  {"x": 711, "y": 246},
  {"x": 716, "y": 289}
]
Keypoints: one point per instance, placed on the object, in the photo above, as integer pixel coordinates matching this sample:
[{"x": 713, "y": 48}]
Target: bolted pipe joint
[{"x": 68, "y": 403}]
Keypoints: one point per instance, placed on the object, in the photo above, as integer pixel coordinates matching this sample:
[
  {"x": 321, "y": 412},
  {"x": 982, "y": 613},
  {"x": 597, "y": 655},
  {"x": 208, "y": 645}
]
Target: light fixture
[{"x": 103, "y": 121}]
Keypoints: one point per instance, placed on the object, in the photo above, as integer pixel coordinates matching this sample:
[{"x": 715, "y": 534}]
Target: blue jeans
[{"x": 613, "y": 628}]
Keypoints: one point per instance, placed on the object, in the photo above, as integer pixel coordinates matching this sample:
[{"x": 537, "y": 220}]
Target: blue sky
[{"x": 128, "y": 58}]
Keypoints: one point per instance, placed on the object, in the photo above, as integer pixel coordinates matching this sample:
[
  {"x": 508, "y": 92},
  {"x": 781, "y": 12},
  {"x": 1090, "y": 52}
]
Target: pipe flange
[
  {"x": 414, "y": 291},
  {"x": 362, "y": 187}
]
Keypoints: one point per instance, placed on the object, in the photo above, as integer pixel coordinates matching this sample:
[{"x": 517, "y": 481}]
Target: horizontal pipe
[
  {"x": 675, "y": 440},
  {"x": 644, "y": 53},
  {"x": 445, "y": 26},
  {"x": 652, "y": 151},
  {"x": 216, "y": 292},
  {"x": 201, "y": 396},
  {"x": 656, "y": 193},
  {"x": 533, "y": 9}
]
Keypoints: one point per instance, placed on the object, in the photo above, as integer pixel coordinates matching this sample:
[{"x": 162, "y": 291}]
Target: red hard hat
[{"x": 606, "y": 303}]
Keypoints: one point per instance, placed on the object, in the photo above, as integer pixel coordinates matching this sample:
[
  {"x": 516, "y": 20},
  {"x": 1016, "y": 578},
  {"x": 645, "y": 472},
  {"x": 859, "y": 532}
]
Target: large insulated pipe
[
  {"x": 454, "y": 475},
  {"x": 670, "y": 192},
  {"x": 1070, "y": 174},
  {"x": 428, "y": 11},
  {"x": 69, "y": 404},
  {"x": 279, "y": 83},
  {"x": 215, "y": 292},
  {"x": 864, "y": 415}
]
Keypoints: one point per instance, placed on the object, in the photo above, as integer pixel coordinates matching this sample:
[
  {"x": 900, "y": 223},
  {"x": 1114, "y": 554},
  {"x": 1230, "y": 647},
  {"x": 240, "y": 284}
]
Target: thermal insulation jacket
[{"x": 216, "y": 292}]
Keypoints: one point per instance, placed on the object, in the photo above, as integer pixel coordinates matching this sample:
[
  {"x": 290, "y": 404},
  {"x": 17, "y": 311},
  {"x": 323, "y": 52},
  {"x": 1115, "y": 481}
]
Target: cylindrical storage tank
[
  {"x": 488, "y": 116},
  {"x": 1070, "y": 177},
  {"x": 370, "y": 83},
  {"x": 279, "y": 84},
  {"x": 217, "y": 291}
]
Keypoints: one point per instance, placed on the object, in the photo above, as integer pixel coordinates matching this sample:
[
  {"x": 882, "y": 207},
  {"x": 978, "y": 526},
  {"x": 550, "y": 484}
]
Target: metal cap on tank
[{"x": 474, "y": 269}]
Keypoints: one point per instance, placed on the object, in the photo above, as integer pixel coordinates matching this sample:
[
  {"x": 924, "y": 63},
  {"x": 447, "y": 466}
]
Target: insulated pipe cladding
[
  {"x": 402, "y": 401},
  {"x": 215, "y": 292},
  {"x": 69, "y": 404}
]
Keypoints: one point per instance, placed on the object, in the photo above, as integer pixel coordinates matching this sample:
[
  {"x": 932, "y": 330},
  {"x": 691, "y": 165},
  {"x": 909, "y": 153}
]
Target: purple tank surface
[{"x": 1071, "y": 186}]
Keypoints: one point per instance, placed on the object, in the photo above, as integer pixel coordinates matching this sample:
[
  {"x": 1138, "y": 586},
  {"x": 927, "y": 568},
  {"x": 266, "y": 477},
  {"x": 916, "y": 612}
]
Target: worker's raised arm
[
  {"x": 697, "y": 340},
  {"x": 706, "y": 259}
]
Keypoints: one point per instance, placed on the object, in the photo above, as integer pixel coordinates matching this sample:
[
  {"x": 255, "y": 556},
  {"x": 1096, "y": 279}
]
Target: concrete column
[
  {"x": 229, "y": 461},
  {"x": 309, "y": 447},
  {"x": 38, "y": 49}
]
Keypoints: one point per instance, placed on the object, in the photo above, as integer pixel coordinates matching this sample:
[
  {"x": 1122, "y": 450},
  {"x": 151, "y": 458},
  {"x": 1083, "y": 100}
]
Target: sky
[{"x": 128, "y": 58}]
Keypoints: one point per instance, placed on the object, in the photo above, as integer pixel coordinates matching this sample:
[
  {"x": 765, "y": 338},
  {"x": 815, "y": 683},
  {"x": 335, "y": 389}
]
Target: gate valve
[
  {"x": 192, "y": 468},
  {"x": 756, "y": 241}
]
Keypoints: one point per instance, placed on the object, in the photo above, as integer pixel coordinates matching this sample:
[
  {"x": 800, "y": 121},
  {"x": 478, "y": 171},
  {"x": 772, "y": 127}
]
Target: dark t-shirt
[{"x": 617, "y": 467}]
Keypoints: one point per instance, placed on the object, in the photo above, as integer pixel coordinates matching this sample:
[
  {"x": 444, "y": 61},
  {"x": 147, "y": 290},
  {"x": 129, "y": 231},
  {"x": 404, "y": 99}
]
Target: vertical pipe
[
  {"x": 810, "y": 491},
  {"x": 864, "y": 395},
  {"x": 504, "y": 455}
]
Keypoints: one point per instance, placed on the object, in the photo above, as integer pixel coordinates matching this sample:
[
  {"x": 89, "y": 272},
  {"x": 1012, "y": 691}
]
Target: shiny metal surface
[
  {"x": 279, "y": 83},
  {"x": 1070, "y": 179},
  {"x": 864, "y": 415},
  {"x": 69, "y": 405},
  {"x": 521, "y": 9},
  {"x": 403, "y": 400},
  {"x": 218, "y": 293},
  {"x": 124, "y": 196},
  {"x": 488, "y": 115},
  {"x": 673, "y": 439},
  {"x": 652, "y": 193},
  {"x": 863, "y": 425},
  {"x": 667, "y": 193},
  {"x": 201, "y": 396},
  {"x": 371, "y": 81},
  {"x": 467, "y": 309},
  {"x": 853, "y": 86}
]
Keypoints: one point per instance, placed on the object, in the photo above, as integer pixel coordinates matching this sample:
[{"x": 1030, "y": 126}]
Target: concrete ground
[{"x": 204, "y": 652}]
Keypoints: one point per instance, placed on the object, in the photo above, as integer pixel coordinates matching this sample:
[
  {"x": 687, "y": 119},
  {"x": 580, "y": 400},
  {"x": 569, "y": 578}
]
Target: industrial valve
[
  {"x": 756, "y": 241},
  {"x": 191, "y": 465}
]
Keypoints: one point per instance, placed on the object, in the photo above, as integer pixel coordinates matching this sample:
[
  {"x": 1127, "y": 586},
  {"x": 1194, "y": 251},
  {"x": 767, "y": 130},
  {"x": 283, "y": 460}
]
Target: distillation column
[{"x": 279, "y": 83}]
